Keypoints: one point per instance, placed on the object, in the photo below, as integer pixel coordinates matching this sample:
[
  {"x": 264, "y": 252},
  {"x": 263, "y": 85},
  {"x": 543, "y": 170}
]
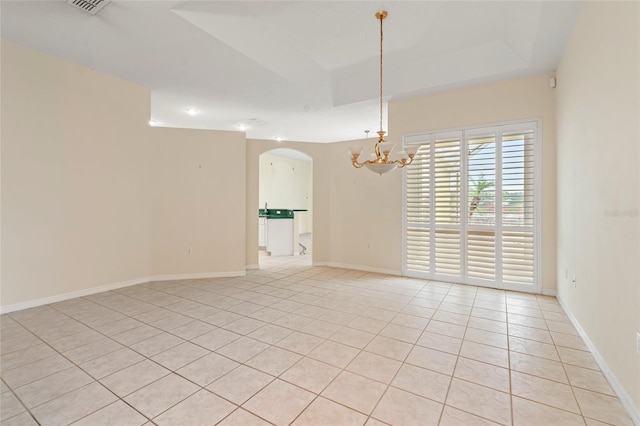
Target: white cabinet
[
  {"x": 262, "y": 233},
  {"x": 280, "y": 241},
  {"x": 278, "y": 231}
]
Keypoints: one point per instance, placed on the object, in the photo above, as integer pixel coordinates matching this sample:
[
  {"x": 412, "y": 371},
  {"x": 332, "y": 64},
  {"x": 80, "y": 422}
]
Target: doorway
[{"x": 285, "y": 216}]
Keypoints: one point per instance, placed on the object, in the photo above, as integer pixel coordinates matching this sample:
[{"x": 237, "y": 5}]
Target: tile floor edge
[
  {"x": 363, "y": 268},
  {"x": 621, "y": 392},
  {"x": 34, "y": 303}
]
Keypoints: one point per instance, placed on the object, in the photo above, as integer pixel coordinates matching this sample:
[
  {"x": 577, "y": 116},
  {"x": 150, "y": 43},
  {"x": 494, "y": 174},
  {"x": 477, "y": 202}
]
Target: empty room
[{"x": 319, "y": 213}]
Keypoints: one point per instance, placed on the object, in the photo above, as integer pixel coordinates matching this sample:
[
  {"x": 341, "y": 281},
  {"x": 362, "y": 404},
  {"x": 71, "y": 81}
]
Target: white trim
[
  {"x": 403, "y": 229},
  {"x": 113, "y": 286},
  {"x": 198, "y": 275},
  {"x": 70, "y": 295},
  {"x": 625, "y": 398},
  {"x": 537, "y": 207},
  {"x": 549, "y": 292},
  {"x": 463, "y": 225},
  {"x": 471, "y": 127},
  {"x": 254, "y": 266}
]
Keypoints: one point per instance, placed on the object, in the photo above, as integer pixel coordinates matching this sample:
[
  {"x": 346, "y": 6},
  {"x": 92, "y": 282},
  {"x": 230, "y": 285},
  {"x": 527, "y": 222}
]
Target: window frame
[{"x": 467, "y": 132}]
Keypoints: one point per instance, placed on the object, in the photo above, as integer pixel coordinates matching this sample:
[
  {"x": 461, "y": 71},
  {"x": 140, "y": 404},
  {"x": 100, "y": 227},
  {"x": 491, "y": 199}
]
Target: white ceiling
[{"x": 302, "y": 70}]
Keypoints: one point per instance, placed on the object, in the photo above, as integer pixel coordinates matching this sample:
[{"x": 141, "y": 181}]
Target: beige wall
[
  {"x": 518, "y": 99},
  {"x": 598, "y": 184},
  {"x": 287, "y": 183},
  {"x": 321, "y": 197},
  {"x": 75, "y": 178},
  {"x": 366, "y": 222},
  {"x": 92, "y": 196},
  {"x": 198, "y": 202}
]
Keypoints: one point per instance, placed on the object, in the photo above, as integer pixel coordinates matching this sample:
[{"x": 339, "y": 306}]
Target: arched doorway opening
[{"x": 285, "y": 204}]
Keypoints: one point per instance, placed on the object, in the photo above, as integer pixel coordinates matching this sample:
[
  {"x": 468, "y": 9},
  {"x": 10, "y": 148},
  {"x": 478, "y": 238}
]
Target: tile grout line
[{"x": 374, "y": 284}]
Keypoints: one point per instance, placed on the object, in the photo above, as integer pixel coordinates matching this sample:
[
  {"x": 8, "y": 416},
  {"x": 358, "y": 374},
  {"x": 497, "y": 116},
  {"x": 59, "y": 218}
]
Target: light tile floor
[{"x": 302, "y": 345}]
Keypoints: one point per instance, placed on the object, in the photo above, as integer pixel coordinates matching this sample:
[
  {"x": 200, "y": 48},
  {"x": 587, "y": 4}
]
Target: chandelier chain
[{"x": 381, "y": 19}]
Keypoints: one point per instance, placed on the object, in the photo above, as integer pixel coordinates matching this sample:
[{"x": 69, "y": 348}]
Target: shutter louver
[
  {"x": 447, "y": 252},
  {"x": 517, "y": 257},
  {"x": 418, "y": 249},
  {"x": 481, "y": 255}
]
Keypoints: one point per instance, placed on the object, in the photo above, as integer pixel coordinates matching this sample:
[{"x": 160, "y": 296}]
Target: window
[{"x": 470, "y": 209}]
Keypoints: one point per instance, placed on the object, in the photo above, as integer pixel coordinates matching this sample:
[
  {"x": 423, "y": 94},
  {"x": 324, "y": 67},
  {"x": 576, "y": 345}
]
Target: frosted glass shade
[
  {"x": 386, "y": 147},
  {"x": 381, "y": 168},
  {"x": 411, "y": 149},
  {"x": 356, "y": 150}
]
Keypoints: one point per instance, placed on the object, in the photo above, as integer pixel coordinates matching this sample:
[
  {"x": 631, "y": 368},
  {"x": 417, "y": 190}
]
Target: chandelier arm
[
  {"x": 406, "y": 163},
  {"x": 403, "y": 162},
  {"x": 356, "y": 164}
]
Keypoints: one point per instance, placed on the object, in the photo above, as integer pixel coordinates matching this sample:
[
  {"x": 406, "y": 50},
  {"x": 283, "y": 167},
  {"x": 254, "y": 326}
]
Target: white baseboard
[
  {"x": 113, "y": 286},
  {"x": 549, "y": 292},
  {"x": 359, "y": 268},
  {"x": 252, "y": 267},
  {"x": 70, "y": 295},
  {"x": 625, "y": 398},
  {"x": 198, "y": 275}
]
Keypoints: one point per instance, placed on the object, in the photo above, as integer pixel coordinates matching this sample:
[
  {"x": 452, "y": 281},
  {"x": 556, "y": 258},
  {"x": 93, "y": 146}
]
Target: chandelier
[{"x": 380, "y": 162}]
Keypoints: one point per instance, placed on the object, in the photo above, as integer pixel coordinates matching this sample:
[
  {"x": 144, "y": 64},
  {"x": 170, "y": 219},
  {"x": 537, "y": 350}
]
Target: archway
[{"x": 285, "y": 208}]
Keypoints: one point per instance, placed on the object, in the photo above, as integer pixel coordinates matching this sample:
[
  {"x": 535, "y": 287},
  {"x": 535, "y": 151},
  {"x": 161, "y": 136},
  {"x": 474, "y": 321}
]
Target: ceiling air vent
[{"x": 89, "y": 6}]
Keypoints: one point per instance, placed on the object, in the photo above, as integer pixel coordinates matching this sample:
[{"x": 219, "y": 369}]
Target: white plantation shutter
[
  {"x": 418, "y": 208},
  {"x": 446, "y": 176},
  {"x": 518, "y": 206},
  {"x": 470, "y": 206},
  {"x": 418, "y": 187},
  {"x": 481, "y": 206}
]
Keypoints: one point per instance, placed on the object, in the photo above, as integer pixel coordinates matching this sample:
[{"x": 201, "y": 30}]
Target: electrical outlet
[
  {"x": 189, "y": 250},
  {"x": 638, "y": 342}
]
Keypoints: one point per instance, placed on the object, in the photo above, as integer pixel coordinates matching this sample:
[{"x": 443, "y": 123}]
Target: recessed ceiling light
[
  {"x": 153, "y": 122},
  {"x": 279, "y": 138},
  {"x": 242, "y": 127},
  {"x": 191, "y": 111}
]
